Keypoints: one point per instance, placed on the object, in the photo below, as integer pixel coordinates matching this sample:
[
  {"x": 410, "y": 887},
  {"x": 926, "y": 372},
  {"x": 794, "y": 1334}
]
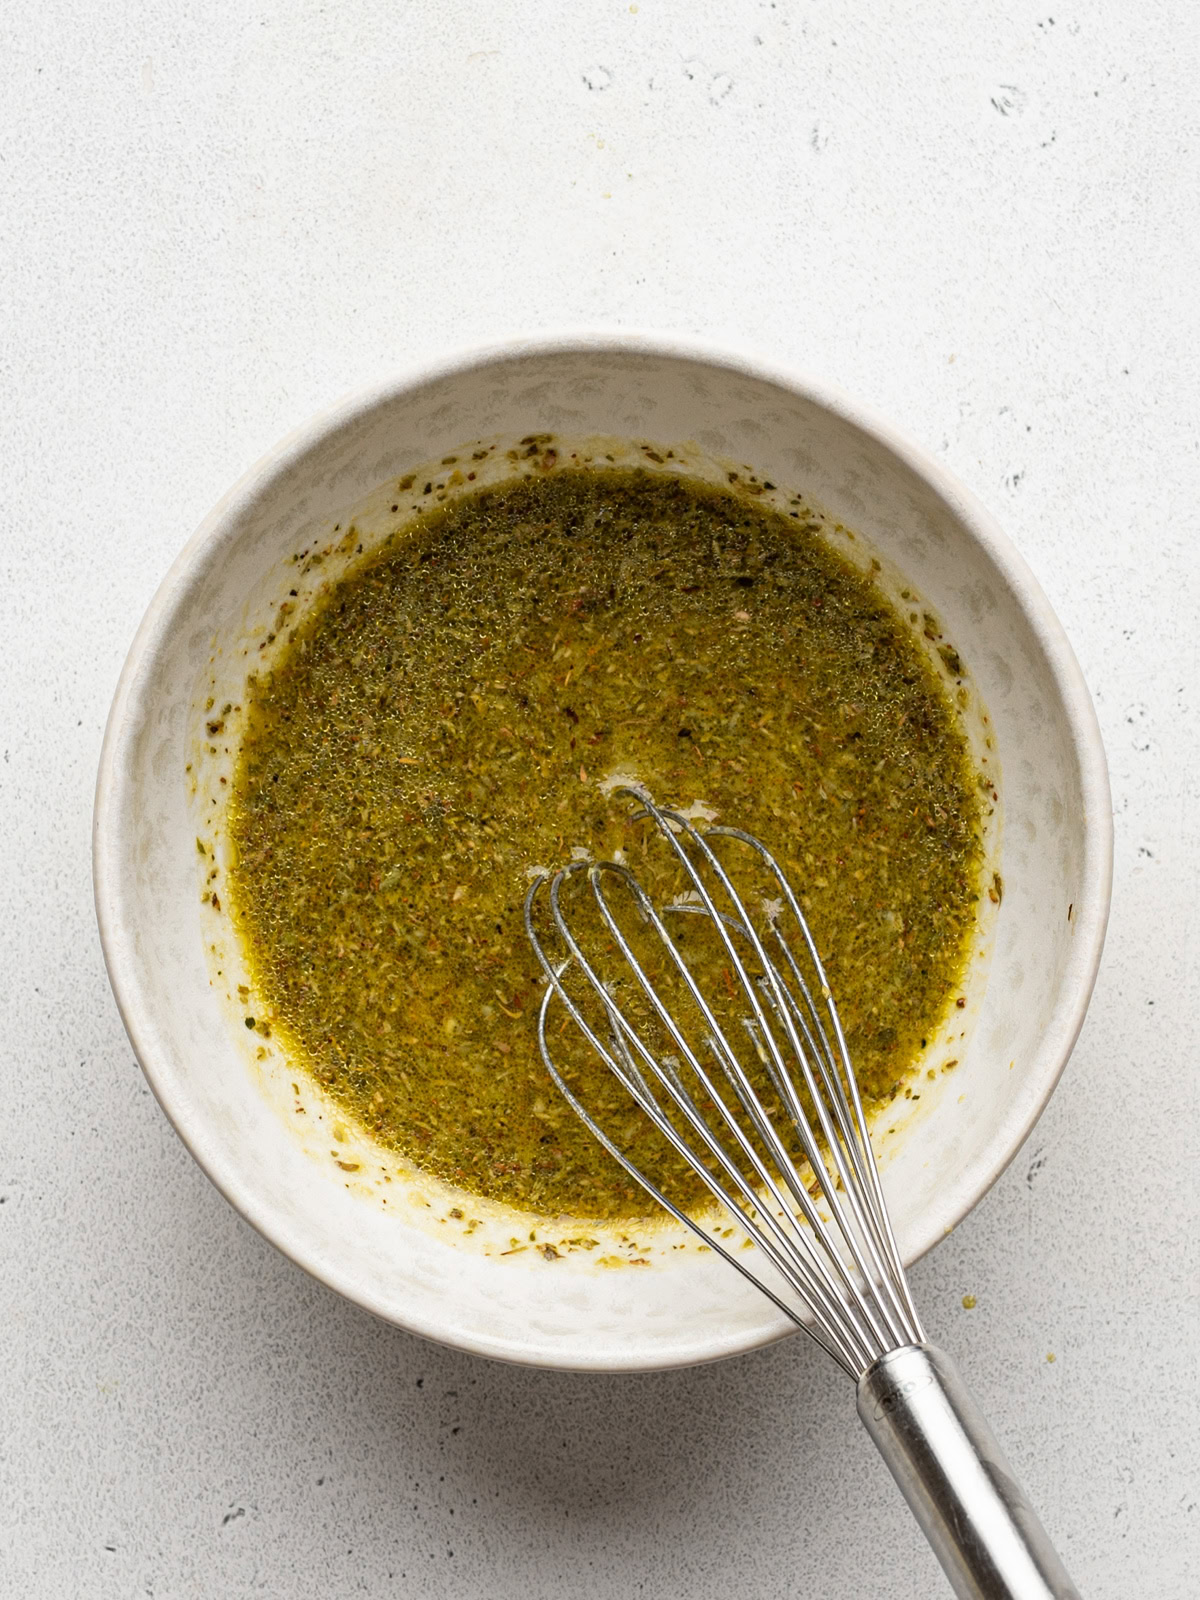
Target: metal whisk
[{"x": 751, "y": 1086}]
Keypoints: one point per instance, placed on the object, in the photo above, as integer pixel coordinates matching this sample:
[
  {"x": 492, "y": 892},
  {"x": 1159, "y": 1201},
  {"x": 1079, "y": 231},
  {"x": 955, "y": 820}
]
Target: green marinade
[{"x": 440, "y": 724}]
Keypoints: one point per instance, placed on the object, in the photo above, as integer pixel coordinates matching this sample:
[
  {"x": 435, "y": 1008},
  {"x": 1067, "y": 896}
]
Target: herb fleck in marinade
[{"x": 439, "y": 725}]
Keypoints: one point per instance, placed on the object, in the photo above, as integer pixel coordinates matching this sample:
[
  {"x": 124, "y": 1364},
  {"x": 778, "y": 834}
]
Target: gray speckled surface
[{"x": 219, "y": 220}]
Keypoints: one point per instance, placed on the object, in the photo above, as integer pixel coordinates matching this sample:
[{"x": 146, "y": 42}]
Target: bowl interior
[{"x": 174, "y": 975}]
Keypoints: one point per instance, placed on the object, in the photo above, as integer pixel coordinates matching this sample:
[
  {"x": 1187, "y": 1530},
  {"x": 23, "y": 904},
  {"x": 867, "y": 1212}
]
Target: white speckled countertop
[{"x": 218, "y": 218}]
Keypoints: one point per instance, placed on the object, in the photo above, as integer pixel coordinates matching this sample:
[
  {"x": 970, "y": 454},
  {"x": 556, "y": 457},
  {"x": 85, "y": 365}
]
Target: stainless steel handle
[{"x": 951, "y": 1471}]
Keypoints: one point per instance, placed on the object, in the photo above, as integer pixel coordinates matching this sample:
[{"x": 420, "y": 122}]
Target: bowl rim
[{"x": 129, "y": 706}]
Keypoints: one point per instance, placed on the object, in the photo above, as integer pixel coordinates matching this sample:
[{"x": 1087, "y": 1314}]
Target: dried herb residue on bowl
[{"x": 440, "y": 724}]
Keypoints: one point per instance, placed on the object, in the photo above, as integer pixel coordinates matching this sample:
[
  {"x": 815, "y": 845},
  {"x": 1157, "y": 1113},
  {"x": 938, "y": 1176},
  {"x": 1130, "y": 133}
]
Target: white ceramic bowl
[{"x": 173, "y": 967}]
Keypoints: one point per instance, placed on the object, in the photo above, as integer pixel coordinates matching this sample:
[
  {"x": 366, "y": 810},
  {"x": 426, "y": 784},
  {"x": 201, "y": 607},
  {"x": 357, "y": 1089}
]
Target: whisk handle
[{"x": 957, "y": 1483}]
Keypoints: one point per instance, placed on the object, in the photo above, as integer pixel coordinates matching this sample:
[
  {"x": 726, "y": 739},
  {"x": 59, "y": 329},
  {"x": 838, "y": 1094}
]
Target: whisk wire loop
[
  {"x": 861, "y": 1237},
  {"x": 827, "y": 1339},
  {"x": 826, "y": 1235},
  {"x": 791, "y": 1251}
]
